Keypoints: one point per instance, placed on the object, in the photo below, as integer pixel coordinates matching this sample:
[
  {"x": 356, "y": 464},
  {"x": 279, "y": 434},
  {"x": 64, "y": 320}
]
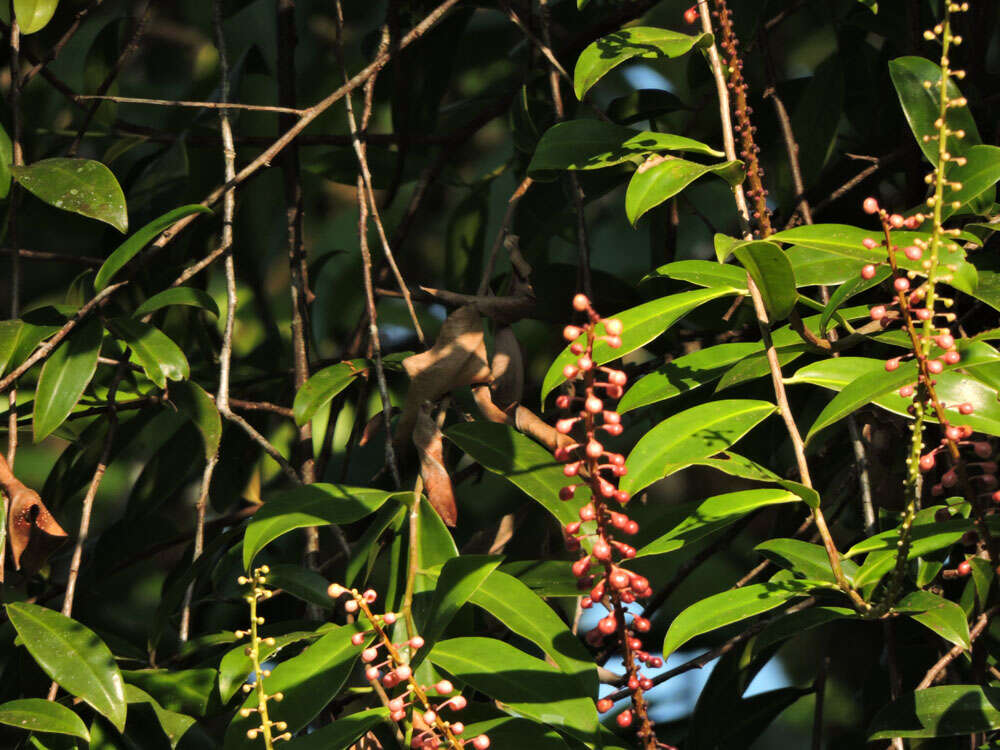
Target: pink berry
[
  {"x": 585, "y": 363},
  {"x": 369, "y": 654},
  {"x": 430, "y": 717},
  {"x": 868, "y": 272},
  {"x": 594, "y": 449},
  {"x": 403, "y": 672},
  {"x": 396, "y": 704},
  {"x": 580, "y": 302},
  {"x": 927, "y": 462},
  {"x": 906, "y": 391},
  {"x": 481, "y": 742},
  {"x": 964, "y": 568},
  {"x": 966, "y": 408},
  {"x": 613, "y": 327},
  {"x": 389, "y": 617},
  {"x": 594, "y": 405},
  {"x": 617, "y": 377},
  {"x": 901, "y": 284},
  {"x": 416, "y": 642},
  {"x": 954, "y": 434},
  {"x": 569, "y": 371},
  {"x": 924, "y": 314},
  {"x": 946, "y": 341},
  {"x": 614, "y": 341},
  {"x": 870, "y": 205},
  {"x": 357, "y": 639},
  {"x": 878, "y": 312},
  {"x": 996, "y": 496},
  {"x": 892, "y": 364},
  {"x": 371, "y": 674},
  {"x": 571, "y": 333},
  {"x": 869, "y": 243},
  {"x": 691, "y": 15},
  {"x": 935, "y": 366},
  {"x": 397, "y": 715},
  {"x": 896, "y": 221},
  {"x": 351, "y": 606},
  {"x": 952, "y": 357},
  {"x": 444, "y": 687},
  {"x": 459, "y": 702},
  {"x": 913, "y": 252}
]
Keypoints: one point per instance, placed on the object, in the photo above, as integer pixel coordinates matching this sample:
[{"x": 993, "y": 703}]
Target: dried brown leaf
[
  {"x": 437, "y": 483},
  {"x": 32, "y": 531}
]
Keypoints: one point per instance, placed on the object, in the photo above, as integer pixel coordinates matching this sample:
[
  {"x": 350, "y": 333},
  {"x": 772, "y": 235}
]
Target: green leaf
[
  {"x": 702, "y": 273},
  {"x": 186, "y": 691},
  {"x": 34, "y": 15},
  {"x": 795, "y": 623},
  {"x": 650, "y": 186},
  {"x": 757, "y": 366},
  {"x": 178, "y": 295},
  {"x": 342, "y": 733},
  {"x": 526, "y": 686},
  {"x": 131, "y": 247},
  {"x": 870, "y": 4},
  {"x": 173, "y": 724},
  {"x": 638, "y": 42},
  {"x": 320, "y": 389},
  {"x": 596, "y": 144},
  {"x": 684, "y": 373},
  {"x": 740, "y": 466},
  {"x": 520, "y": 460},
  {"x": 714, "y": 514},
  {"x": 978, "y": 174},
  {"x": 10, "y": 330},
  {"x": 525, "y": 613},
  {"x": 73, "y": 656},
  {"x": 192, "y": 401},
  {"x": 6, "y": 159},
  {"x": 728, "y": 607},
  {"x": 81, "y": 186},
  {"x": 313, "y": 505},
  {"x": 847, "y": 290},
  {"x": 300, "y": 582},
  {"x": 641, "y": 325},
  {"x": 235, "y": 664},
  {"x": 942, "y": 711},
  {"x": 691, "y": 435},
  {"x": 809, "y": 560},
  {"x": 460, "y": 578},
  {"x": 773, "y": 275},
  {"x": 944, "y": 617},
  {"x": 65, "y": 376},
  {"x": 159, "y": 356},
  {"x": 38, "y": 715},
  {"x": 923, "y": 539},
  {"x": 513, "y": 733},
  {"x": 870, "y": 386},
  {"x": 922, "y": 106},
  {"x": 309, "y": 682}
]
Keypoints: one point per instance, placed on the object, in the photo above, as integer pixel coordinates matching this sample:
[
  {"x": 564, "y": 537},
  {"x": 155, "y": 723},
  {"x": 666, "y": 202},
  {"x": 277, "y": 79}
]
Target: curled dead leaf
[
  {"x": 507, "y": 368},
  {"x": 32, "y": 531},
  {"x": 437, "y": 482}
]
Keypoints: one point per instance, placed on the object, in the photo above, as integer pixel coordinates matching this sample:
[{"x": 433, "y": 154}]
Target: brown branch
[
  {"x": 508, "y": 217},
  {"x": 185, "y": 103},
  {"x": 44, "y": 255},
  {"x": 53, "y": 52},
  {"x": 941, "y": 664}
]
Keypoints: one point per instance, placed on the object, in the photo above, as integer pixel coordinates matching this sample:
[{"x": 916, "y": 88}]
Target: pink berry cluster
[
  {"x": 431, "y": 731},
  {"x": 596, "y": 470}
]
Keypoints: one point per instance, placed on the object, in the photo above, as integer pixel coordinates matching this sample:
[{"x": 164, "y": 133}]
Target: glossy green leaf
[
  {"x": 34, "y": 15},
  {"x": 773, "y": 275},
  {"x": 134, "y": 244},
  {"x": 870, "y": 4},
  {"x": 173, "y": 724},
  {"x": 978, "y": 174},
  {"x": 300, "y": 582},
  {"x": 702, "y": 273},
  {"x": 178, "y": 295},
  {"x": 38, "y": 715},
  {"x": 756, "y": 365},
  {"x": 714, "y": 514},
  {"x": 831, "y": 242},
  {"x": 6, "y": 159},
  {"x": 309, "y": 682},
  {"x": 73, "y": 656},
  {"x": 730, "y": 606},
  {"x": 922, "y": 106},
  {"x": 9, "y": 332},
  {"x": 953, "y": 388},
  {"x": 159, "y": 356},
  {"x": 595, "y": 144},
  {"x": 518, "y": 459},
  {"x": 640, "y": 325},
  {"x": 460, "y": 578},
  {"x": 320, "y": 388},
  {"x": 693, "y": 434},
  {"x": 923, "y": 538},
  {"x": 684, "y": 373},
  {"x": 740, "y": 466},
  {"x": 342, "y": 733},
  {"x": 65, "y": 376},
  {"x": 638, "y": 43},
  {"x": 526, "y": 686},
  {"x": 942, "y": 711},
  {"x": 847, "y": 290},
  {"x": 809, "y": 560},
  {"x": 513, "y": 733},
  {"x": 191, "y": 400},
  {"x": 870, "y": 386},
  {"x": 235, "y": 665},
  {"x": 81, "y": 186},
  {"x": 312, "y": 505},
  {"x": 794, "y": 624},
  {"x": 186, "y": 691},
  {"x": 525, "y": 613},
  {"x": 652, "y": 185},
  {"x": 944, "y": 617}
]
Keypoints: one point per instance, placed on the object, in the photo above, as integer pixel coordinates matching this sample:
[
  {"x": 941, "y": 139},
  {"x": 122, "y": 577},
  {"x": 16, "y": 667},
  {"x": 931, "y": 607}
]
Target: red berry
[
  {"x": 892, "y": 364},
  {"x": 624, "y": 719},
  {"x": 618, "y": 579},
  {"x": 602, "y": 551},
  {"x": 691, "y": 14},
  {"x": 870, "y": 205},
  {"x": 964, "y": 568},
  {"x": 868, "y": 272},
  {"x": 946, "y": 341},
  {"x": 607, "y": 625},
  {"x": 604, "y": 705},
  {"x": 935, "y": 366},
  {"x": 566, "y": 493},
  {"x": 950, "y": 478},
  {"x": 952, "y": 357},
  {"x": 901, "y": 284},
  {"x": 983, "y": 449},
  {"x": 913, "y": 252},
  {"x": 954, "y": 433},
  {"x": 569, "y": 371},
  {"x": 869, "y": 243},
  {"x": 594, "y": 449},
  {"x": 897, "y": 221},
  {"x": 878, "y": 312},
  {"x": 927, "y": 462},
  {"x": 594, "y": 405},
  {"x": 585, "y": 363},
  {"x": 966, "y": 408}
]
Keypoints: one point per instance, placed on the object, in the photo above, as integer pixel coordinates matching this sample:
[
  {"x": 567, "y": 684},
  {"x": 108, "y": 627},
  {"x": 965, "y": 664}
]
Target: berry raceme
[
  {"x": 595, "y": 470},
  {"x": 389, "y": 663}
]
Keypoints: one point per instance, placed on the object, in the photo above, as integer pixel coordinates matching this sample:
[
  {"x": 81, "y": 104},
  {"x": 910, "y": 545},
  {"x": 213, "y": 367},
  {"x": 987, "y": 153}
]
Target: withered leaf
[
  {"x": 32, "y": 531},
  {"x": 437, "y": 483}
]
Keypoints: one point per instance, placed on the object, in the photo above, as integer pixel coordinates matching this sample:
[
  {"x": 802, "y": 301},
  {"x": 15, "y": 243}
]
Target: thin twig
[
  {"x": 53, "y": 52},
  {"x": 955, "y": 651},
  {"x": 185, "y": 103},
  {"x": 508, "y": 217},
  {"x": 130, "y": 47},
  {"x": 45, "y": 255}
]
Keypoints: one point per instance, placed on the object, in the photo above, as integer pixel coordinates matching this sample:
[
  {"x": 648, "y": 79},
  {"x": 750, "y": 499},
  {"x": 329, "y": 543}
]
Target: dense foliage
[{"x": 515, "y": 374}]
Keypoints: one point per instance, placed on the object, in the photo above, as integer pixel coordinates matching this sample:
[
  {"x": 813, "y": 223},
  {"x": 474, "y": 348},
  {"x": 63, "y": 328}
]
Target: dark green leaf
[
  {"x": 773, "y": 275},
  {"x": 302, "y": 583},
  {"x": 714, "y": 514},
  {"x": 73, "y": 656},
  {"x": 173, "y": 724},
  {"x": 809, "y": 560},
  {"x": 320, "y": 389},
  {"x": 940, "y": 615},
  {"x": 178, "y": 295},
  {"x": 131, "y": 247},
  {"x": 513, "y": 733},
  {"x": 702, "y": 273},
  {"x": 6, "y": 159},
  {"x": 691, "y": 435},
  {"x": 740, "y": 466},
  {"x": 460, "y": 578},
  {"x": 653, "y": 184},
  {"x": 314, "y": 505},
  {"x": 595, "y": 144},
  {"x": 847, "y": 290},
  {"x": 159, "y": 356},
  {"x": 186, "y": 691},
  {"x": 641, "y": 325},
  {"x": 236, "y": 665},
  {"x": 922, "y": 106},
  {"x": 342, "y": 733},
  {"x": 638, "y": 42},
  {"x": 725, "y": 608},
  {"x": 978, "y": 174},
  {"x": 192, "y": 400},
  {"x": 65, "y": 376},
  {"x": 37, "y": 715},
  {"x": 81, "y": 186},
  {"x": 526, "y": 686},
  {"x": 942, "y": 711}
]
